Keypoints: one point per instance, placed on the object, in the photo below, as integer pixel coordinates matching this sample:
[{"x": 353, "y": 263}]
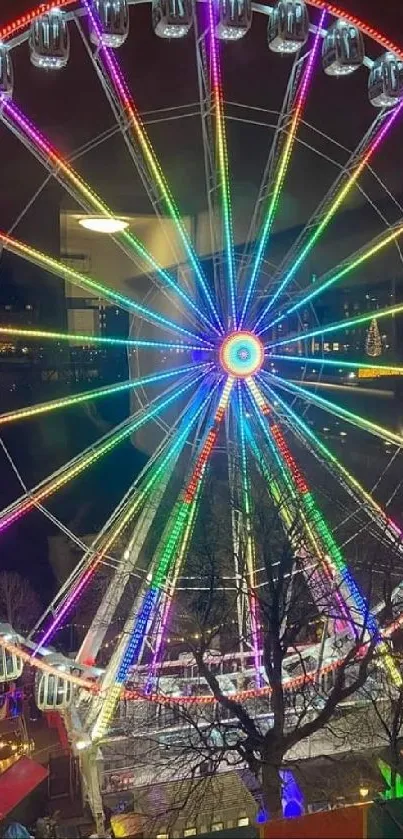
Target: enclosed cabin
[
  {"x": 234, "y": 19},
  {"x": 343, "y": 49},
  {"x": 385, "y": 83},
  {"x": 49, "y": 41},
  {"x": 113, "y": 20},
  {"x": 288, "y": 27},
  {"x": 172, "y": 18},
  {"x": 11, "y": 665},
  {"x": 53, "y": 692},
  {"x": 6, "y": 72}
]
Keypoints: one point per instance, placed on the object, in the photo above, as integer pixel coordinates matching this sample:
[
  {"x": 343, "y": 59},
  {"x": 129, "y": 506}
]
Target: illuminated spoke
[
  {"x": 347, "y": 591},
  {"x": 390, "y": 311},
  {"x": 337, "y": 410},
  {"x": 324, "y": 214},
  {"x": 79, "y": 464},
  {"x": 156, "y": 481},
  {"x": 90, "y": 201},
  {"x": 335, "y": 362},
  {"x": 167, "y": 443},
  {"x": 282, "y": 169},
  {"x": 96, "y": 393},
  {"x": 72, "y": 338},
  {"x": 61, "y": 270},
  {"x": 332, "y": 277},
  {"x": 249, "y": 543},
  {"x": 126, "y": 102},
  {"x": 167, "y": 553},
  {"x": 304, "y": 431},
  {"x": 222, "y": 163}
]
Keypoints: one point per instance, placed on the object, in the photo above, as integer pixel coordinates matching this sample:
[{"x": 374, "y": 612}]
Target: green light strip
[
  {"x": 332, "y": 362},
  {"x": 95, "y": 339},
  {"x": 337, "y": 410},
  {"x": 349, "y": 478},
  {"x": 97, "y": 393},
  {"x": 341, "y": 325},
  {"x": 355, "y": 262}
]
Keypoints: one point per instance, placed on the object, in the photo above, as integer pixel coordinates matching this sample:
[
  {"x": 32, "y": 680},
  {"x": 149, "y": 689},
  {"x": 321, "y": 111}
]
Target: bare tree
[
  {"x": 19, "y": 604},
  {"x": 296, "y": 602}
]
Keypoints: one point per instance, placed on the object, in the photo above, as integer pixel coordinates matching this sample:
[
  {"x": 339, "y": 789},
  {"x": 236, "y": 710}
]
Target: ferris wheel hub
[{"x": 241, "y": 354}]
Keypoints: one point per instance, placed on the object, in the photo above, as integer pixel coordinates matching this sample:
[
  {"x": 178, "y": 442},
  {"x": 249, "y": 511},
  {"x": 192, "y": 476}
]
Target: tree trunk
[{"x": 271, "y": 788}]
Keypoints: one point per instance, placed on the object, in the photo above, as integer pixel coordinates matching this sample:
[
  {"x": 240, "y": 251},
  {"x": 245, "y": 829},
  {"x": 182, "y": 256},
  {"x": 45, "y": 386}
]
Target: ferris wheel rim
[{"x": 21, "y": 22}]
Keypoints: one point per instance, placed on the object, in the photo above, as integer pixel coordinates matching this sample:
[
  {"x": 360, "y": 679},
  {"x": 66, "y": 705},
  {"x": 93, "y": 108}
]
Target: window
[
  {"x": 336, "y": 347},
  {"x": 190, "y": 831},
  {"x": 217, "y": 826},
  {"x": 243, "y": 821},
  {"x": 162, "y": 836}
]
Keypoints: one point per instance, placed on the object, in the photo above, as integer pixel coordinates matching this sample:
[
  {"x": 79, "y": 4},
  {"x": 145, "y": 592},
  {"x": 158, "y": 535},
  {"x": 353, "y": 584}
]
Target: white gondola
[
  {"x": 49, "y": 41},
  {"x": 11, "y": 665},
  {"x": 385, "y": 83},
  {"x": 172, "y": 18},
  {"x": 114, "y": 20},
  {"x": 288, "y": 27},
  {"x": 53, "y": 693},
  {"x": 234, "y": 19},
  {"x": 6, "y": 72},
  {"x": 343, "y": 49}
]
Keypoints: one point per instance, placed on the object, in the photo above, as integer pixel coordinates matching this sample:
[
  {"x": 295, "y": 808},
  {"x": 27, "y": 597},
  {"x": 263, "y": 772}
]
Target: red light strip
[{"x": 24, "y": 20}]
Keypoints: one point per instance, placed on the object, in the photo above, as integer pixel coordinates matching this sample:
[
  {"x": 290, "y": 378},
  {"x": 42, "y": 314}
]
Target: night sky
[{"x": 161, "y": 74}]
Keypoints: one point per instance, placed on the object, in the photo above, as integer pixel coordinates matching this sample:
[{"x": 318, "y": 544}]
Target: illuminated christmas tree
[{"x": 373, "y": 342}]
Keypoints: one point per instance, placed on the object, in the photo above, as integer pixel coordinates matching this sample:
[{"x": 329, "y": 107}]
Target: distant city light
[{"x": 100, "y": 224}]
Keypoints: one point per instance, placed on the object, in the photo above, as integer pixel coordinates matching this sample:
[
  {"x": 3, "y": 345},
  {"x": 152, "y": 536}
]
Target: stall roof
[{"x": 17, "y": 782}]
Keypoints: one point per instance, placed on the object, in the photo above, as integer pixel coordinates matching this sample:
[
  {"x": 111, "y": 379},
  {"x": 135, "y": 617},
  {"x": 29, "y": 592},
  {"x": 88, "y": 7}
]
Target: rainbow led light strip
[
  {"x": 88, "y": 340},
  {"x": 106, "y": 293},
  {"x": 97, "y": 393},
  {"x": 333, "y": 552},
  {"x": 166, "y": 605},
  {"x": 338, "y": 201},
  {"x": 140, "y": 495},
  {"x": 130, "y": 111},
  {"x": 308, "y": 432},
  {"x": 247, "y": 530},
  {"x": 337, "y": 410},
  {"x": 82, "y": 191},
  {"x": 342, "y": 324},
  {"x": 380, "y": 243},
  {"x": 333, "y": 362},
  {"x": 320, "y": 576},
  {"x": 329, "y": 556},
  {"x": 176, "y": 531},
  {"x": 92, "y": 455},
  {"x": 283, "y": 167},
  {"x": 221, "y": 143}
]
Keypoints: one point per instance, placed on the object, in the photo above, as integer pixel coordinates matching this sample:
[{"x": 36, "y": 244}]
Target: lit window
[
  {"x": 162, "y": 836},
  {"x": 190, "y": 831},
  {"x": 217, "y": 826},
  {"x": 243, "y": 821},
  {"x": 326, "y": 346},
  {"x": 336, "y": 347}
]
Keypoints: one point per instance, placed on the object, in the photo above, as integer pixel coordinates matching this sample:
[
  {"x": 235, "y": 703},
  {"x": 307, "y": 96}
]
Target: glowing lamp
[
  {"x": 103, "y": 224},
  {"x": 241, "y": 354}
]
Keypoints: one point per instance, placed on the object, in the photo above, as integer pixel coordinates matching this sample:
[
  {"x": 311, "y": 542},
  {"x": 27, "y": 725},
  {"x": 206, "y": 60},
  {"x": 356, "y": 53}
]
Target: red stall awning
[{"x": 17, "y": 782}]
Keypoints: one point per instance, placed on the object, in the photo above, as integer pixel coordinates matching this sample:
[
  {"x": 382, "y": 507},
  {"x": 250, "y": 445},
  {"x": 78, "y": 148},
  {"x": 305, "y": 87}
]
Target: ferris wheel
[{"x": 234, "y": 325}]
